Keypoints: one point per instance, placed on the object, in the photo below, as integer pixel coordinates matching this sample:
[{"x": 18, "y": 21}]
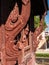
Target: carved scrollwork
[{"x": 14, "y": 24}]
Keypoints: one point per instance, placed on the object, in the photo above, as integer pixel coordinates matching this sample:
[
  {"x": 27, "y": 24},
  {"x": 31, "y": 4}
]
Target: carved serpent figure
[{"x": 13, "y": 26}]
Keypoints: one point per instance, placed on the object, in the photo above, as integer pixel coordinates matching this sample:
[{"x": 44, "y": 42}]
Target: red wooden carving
[
  {"x": 20, "y": 52},
  {"x": 14, "y": 25}
]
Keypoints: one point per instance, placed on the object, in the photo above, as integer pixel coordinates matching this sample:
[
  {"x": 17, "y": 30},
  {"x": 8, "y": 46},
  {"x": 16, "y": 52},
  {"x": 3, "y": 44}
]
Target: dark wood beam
[{"x": 45, "y": 6}]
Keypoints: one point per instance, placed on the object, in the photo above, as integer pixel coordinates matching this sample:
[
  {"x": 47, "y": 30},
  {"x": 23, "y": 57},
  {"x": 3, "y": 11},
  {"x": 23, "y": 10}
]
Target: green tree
[
  {"x": 37, "y": 22},
  {"x": 45, "y": 25}
]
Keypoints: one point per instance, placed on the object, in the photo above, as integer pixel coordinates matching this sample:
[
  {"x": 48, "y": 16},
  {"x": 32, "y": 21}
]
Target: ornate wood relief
[{"x": 18, "y": 51}]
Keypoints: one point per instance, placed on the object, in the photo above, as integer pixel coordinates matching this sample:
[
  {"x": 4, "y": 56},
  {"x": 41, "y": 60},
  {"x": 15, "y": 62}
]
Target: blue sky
[
  {"x": 47, "y": 16},
  {"x": 48, "y": 2},
  {"x": 47, "y": 20}
]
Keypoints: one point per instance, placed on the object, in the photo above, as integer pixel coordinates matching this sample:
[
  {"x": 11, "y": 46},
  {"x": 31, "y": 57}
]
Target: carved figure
[{"x": 18, "y": 51}]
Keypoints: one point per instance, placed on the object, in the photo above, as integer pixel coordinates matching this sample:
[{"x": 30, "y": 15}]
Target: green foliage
[
  {"x": 42, "y": 55},
  {"x": 47, "y": 37},
  {"x": 44, "y": 25},
  {"x": 37, "y": 22}
]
